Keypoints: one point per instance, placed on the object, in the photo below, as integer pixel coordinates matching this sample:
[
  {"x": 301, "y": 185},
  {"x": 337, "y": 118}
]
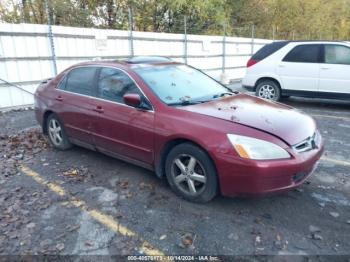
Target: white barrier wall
[{"x": 26, "y": 56}]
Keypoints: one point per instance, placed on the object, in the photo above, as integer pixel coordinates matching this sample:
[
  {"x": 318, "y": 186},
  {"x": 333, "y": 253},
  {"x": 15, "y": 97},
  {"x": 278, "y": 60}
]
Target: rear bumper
[
  {"x": 249, "y": 81},
  {"x": 239, "y": 177},
  {"x": 39, "y": 114}
]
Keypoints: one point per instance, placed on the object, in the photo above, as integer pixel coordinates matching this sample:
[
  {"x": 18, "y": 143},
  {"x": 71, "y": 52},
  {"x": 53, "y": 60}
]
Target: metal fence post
[
  {"x": 131, "y": 39},
  {"x": 23, "y": 12},
  {"x": 50, "y": 35},
  {"x": 252, "y": 44},
  {"x": 273, "y": 33},
  {"x": 224, "y": 50},
  {"x": 185, "y": 39}
]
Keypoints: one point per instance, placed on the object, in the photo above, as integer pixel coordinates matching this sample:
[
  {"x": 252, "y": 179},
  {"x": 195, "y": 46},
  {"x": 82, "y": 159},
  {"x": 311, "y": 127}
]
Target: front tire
[
  {"x": 56, "y": 133},
  {"x": 268, "y": 89},
  {"x": 191, "y": 173}
]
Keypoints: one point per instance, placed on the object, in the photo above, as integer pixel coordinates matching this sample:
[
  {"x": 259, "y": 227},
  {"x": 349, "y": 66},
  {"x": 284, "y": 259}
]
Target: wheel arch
[
  {"x": 265, "y": 78},
  {"x": 45, "y": 117},
  {"x": 166, "y": 148}
]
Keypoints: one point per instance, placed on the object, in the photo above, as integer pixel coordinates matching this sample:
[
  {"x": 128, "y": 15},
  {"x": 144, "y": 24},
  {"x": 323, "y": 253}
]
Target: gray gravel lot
[{"x": 127, "y": 210}]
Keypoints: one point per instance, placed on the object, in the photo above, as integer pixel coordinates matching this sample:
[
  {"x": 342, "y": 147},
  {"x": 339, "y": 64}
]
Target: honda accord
[{"x": 182, "y": 124}]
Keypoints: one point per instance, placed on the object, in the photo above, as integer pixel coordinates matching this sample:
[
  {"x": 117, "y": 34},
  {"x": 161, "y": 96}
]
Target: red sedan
[{"x": 179, "y": 122}]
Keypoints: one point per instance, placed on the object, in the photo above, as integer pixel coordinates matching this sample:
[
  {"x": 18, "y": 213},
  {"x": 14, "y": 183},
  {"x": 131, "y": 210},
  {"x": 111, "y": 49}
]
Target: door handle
[
  {"x": 280, "y": 65},
  {"x": 59, "y": 98},
  {"x": 98, "y": 109},
  {"x": 325, "y": 68}
]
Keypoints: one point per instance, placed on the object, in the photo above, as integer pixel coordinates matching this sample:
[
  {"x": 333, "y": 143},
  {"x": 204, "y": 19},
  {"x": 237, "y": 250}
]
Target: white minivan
[{"x": 293, "y": 68}]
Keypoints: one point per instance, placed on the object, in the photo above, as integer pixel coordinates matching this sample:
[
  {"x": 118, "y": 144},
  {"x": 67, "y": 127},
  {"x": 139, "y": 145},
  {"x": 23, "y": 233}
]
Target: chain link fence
[{"x": 30, "y": 53}]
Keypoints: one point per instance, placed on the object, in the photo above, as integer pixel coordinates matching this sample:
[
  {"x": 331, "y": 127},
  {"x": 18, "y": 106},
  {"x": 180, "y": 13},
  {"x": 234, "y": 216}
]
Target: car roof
[
  {"x": 312, "y": 41},
  {"x": 147, "y": 59},
  {"x": 131, "y": 62}
]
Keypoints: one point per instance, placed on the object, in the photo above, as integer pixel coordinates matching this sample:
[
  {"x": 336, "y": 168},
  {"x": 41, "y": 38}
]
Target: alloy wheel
[
  {"x": 55, "y": 132},
  {"x": 189, "y": 175},
  {"x": 267, "y": 92}
]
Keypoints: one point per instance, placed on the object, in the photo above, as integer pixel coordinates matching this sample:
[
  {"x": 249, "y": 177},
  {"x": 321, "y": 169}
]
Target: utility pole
[
  {"x": 185, "y": 38},
  {"x": 253, "y": 35},
  {"x": 224, "y": 50},
  {"x": 131, "y": 40},
  {"x": 50, "y": 35}
]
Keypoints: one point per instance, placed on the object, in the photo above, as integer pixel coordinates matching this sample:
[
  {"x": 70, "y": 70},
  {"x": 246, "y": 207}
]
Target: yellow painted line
[
  {"x": 334, "y": 117},
  {"x": 104, "y": 219},
  {"x": 150, "y": 251},
  {"x": 336, "y": 161},
  {"x": 110, "y": 223},
  {"x": 53, "y": 187}
]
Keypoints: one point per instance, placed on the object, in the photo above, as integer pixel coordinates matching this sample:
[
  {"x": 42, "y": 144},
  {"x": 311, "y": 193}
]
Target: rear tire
[
  {"x": 268, "y": 89},
  {"x": 56, "y": 133},
  {"x": 191, "y": 173}
]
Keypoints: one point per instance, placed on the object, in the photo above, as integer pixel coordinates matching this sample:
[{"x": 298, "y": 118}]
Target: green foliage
[{"x": 281, "y": 19}]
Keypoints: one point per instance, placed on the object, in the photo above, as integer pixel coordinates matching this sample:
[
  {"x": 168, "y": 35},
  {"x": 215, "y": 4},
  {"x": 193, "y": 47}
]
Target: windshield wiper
[
  {"x": 222, "y": 94},
  {"x": 187, "y": 103}
]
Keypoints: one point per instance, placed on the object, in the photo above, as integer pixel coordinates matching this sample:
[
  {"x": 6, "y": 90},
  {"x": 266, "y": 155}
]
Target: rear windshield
[{"x": 268, "y": 49}]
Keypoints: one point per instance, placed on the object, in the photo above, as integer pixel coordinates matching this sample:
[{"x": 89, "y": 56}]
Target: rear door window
[
  {"x": 113, "y": 84},
  {"x": 337, "y": 54},
  {"x": 81, "y": 81},
  {"x": 304, "y": 54},
  {"x": 62, "y": 83}
]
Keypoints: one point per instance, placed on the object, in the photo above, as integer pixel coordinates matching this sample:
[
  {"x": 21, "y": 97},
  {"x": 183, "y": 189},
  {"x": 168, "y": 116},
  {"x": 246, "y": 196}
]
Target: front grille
[{"x": 307, "y": 144}]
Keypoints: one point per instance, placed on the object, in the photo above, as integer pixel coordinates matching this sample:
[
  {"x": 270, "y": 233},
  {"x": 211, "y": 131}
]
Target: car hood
[{"x": 280, "y": 120}]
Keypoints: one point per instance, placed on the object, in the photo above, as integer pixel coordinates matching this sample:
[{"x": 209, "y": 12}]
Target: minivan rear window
[{"x": 268, "y": 50}]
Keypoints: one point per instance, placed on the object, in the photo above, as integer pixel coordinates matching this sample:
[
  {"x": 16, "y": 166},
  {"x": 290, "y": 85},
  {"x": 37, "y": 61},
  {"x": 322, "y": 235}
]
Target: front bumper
[{"x": 239, "y": 176}]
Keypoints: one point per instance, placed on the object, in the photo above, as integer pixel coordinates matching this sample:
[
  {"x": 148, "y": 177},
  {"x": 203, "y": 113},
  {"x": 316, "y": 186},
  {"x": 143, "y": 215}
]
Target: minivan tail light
[{"x": 251, "y": 62}]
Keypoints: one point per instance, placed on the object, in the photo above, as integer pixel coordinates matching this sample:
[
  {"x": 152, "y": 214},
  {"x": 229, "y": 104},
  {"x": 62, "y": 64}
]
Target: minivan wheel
[
  {"x": 268, "y": 89},
  {"x": 57, "y": 135},
  {"x": 191, "y": 173}
]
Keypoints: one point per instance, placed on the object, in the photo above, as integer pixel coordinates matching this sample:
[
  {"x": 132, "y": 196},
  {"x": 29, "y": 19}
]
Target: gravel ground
[{"x": 85, "y": 203}]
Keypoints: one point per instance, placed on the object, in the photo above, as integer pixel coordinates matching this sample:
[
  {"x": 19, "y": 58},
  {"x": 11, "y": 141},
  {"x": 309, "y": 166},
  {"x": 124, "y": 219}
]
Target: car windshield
[{"x": 181, "y": 84}]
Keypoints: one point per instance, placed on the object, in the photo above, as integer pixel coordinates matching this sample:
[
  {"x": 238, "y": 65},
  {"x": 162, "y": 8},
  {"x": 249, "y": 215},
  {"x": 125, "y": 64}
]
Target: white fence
[{"x": 26, "y": 56}]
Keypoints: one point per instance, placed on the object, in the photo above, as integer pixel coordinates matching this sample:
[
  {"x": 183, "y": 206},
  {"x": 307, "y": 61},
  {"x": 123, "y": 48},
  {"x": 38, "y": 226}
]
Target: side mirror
[{"x": 133, "y": 100}]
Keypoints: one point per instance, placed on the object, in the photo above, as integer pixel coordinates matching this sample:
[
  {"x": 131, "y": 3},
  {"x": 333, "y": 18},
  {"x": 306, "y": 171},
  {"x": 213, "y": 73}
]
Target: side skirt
[
  {"x": 313, "y": 94},
  {"x": 112, "y": 154}
]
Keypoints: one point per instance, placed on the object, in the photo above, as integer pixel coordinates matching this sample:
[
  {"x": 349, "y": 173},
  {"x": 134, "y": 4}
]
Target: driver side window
[{"x": 113, "y": 84}]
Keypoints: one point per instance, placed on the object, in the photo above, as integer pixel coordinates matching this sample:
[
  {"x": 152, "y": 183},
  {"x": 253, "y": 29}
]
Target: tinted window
[
  {"x": 337, "y": 54},
  {"x": 113, "y": 84},
  {"x": 267, "y": 50},
  {"x": 62, "y": 83},
  {"x": 304, "y": 54},
  {"x": 81, "y": 80}
]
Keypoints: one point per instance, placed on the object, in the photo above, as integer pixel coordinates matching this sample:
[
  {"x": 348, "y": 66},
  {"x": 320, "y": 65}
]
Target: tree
[{"x": 293, "y": 19}]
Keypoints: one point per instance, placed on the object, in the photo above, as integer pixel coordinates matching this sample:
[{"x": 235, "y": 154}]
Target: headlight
[{"x": 252, "y": 148}]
